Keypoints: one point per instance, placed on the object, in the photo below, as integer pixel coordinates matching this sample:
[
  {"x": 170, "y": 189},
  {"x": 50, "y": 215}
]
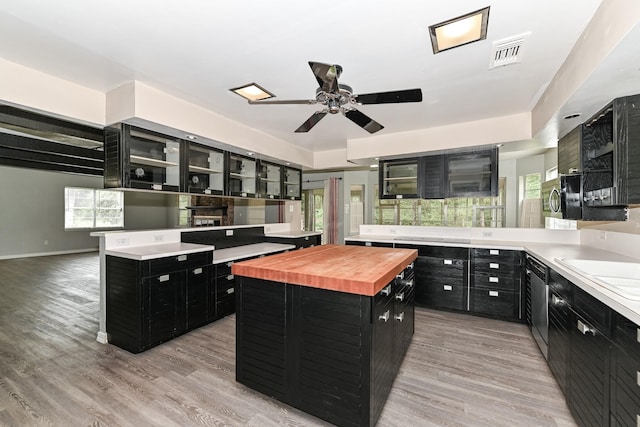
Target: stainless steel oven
[{"x": 537, "y": 274}]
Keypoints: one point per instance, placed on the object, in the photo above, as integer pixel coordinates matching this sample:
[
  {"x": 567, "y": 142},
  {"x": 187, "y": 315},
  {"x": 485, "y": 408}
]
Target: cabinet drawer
[
  {"x": 441, "y": 267},
  {"x": 224, "y": 288},
  {"x": 506, "y": 256},
  {"x": 443, "y": 296},
  {"x": 225, "y": 307},
  {"x": 494, "y": 302},
  {"x": 484, "y": 281},
  {"x": 224, "y": 268},
  {"x": 461, "y": 254},
  {"x": 157, "y": 266},
  {"x": 496, "y": 267},
  {"x": 385, "y": 296},
  {"x": 594, "y": 311},
  {"x": 627, "y": 335}
]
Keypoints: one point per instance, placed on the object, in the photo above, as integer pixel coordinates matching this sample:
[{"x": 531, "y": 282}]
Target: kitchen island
[{"x": 325, "y": 329}]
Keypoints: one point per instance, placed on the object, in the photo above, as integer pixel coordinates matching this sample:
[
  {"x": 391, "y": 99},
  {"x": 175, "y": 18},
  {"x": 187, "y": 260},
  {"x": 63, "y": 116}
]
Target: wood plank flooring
[{"x": 460, "y": 370}]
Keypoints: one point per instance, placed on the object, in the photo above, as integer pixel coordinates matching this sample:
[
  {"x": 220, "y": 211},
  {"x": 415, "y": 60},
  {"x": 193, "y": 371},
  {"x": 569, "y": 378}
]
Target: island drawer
[{"x": 163, "y": 265}]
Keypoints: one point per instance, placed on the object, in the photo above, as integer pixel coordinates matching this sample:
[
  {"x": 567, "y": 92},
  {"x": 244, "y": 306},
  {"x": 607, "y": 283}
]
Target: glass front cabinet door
[
  {"x": 138, "y": 158},
  {"x": 206, "y": 170},
  {"x": 399, "y": 179},
  {"x": 269, "y": 180},
  {"x": 292, "y": 184},
  {"x": 241, "y": 178}
]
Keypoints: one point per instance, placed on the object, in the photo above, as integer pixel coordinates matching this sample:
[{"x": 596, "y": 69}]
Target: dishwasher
[{"x": 537, "y": 274}]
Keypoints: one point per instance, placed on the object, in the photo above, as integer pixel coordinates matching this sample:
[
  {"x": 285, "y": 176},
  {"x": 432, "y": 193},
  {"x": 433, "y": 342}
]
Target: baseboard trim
[{"x": 74, "y": 251}]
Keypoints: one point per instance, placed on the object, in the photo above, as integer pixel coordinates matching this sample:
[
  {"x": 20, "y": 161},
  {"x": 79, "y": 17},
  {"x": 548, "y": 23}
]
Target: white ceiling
[{"x": 198, "y": 49}]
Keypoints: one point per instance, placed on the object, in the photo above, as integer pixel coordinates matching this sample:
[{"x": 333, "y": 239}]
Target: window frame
[{"x": 94, "y": 208}]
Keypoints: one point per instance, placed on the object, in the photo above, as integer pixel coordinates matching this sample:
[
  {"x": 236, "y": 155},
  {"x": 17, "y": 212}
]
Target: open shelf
[
  {"x": 202, "y": 170},
  {"x": 151, "y": 162},
  {"x": 402, "y": 178}
]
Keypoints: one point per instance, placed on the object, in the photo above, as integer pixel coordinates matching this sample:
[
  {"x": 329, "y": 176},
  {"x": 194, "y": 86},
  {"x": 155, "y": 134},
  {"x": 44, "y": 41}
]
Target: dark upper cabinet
[
  {"x": 242, "y": 176},
  {"x": 611, "y": 154},
  {"x": 569, "y": 152},
  {"x": 471, "y": 174},
  {"x": 292, "y": 184},
  {"x": 269, "y": 180},
  {"x": 400, "y": 179},
  {"x": 463, "y": 174},
  {"x": 204, "y": 172},
  {"x": 433, "y": 186},
  {"x": 138, "y": 158}
]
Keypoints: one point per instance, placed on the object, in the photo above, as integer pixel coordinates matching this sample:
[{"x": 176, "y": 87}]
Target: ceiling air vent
[{"x": 507, "y": 51}]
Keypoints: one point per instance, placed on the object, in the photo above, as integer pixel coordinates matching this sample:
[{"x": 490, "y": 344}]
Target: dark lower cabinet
[
  {"x": 152, "y": 301},
  {"x": 331, "y": 354},
  {"x": 625, "y": 377},
  {"x": 222, "y": 294},
  {"x": 559, "y": 335},
  {"x": 300, "y": 242}
]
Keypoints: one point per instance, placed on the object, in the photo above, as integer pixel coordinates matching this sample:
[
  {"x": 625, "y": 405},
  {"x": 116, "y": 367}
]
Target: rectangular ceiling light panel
[
  {"x": 252, "y": 92},
  {"x": 459, "y": 31}
]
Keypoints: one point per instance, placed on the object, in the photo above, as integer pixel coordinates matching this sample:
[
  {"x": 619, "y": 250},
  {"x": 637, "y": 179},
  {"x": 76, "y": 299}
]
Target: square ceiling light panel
[
  {"x": 459, "y": 31},
  {"x": 252, "y": 92}
]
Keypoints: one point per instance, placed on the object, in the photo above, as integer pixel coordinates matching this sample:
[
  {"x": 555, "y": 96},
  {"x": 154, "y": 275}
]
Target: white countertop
[
  {"x": 545, "y": 252},
  {"x": 293, "y": 234},
  {"x": 248, "y": 251},
  {"x": 141, "y": 253}
]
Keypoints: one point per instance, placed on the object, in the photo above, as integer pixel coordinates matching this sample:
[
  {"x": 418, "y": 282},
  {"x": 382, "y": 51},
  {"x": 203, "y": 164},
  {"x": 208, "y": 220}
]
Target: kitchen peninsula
[{"x": 325, "y": 329}]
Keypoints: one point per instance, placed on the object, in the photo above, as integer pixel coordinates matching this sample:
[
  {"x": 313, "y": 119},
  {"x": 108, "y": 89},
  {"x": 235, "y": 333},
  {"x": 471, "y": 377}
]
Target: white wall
[{"x": 32, "y": 213}]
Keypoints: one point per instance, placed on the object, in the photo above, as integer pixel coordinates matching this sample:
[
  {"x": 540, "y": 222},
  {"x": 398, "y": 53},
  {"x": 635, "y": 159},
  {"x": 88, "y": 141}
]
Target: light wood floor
[{"x": 460, "y": 370}]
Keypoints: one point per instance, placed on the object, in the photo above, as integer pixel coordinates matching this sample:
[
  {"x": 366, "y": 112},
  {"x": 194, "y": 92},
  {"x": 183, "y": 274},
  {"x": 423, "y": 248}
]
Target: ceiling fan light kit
[{"x": 339, "y": 98}]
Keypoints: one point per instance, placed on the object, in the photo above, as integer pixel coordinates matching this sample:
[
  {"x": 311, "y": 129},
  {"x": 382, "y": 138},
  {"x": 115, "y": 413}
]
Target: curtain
[{"x": 330, "y": 229}]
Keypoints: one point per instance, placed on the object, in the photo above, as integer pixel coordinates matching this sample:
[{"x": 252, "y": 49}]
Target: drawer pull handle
[
  {"x": 494, "y": 279},
  {"x": 384, "y": 317},
  {"x": 230, "y": 277},
  {"x": 494, "y": 265},
  {"x": 410, "y": 283},
  {"x": 638, "y": 377},
  {"x": 638, "y": 334},
  {"x": 230, "y": 263},
  {"x": 448, "y": 262},
  {"x": 493, "y": 293},
  {"x": 400, "y": 296},
  {"x": 164, "y": 278},
  {"x": 182, "y": 257},
  {"x": 584, "y": 328},
  {"x": 399, "y": 317},
  {"x": 400, "y": 275},
  {"x": 494, "y": 252},
  {"x": 197, "y": 271},
  {"x": 230, "y": 290},
  {"x": 556, "y": 301},
  {"x": 410, "y": 266},
  {"x": 386, "y": 291},
  {"x": 447, "y": 287},
  {"x": 156, "y": 186}
]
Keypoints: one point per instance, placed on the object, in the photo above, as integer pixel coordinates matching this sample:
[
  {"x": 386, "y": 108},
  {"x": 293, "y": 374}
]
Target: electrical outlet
[
  {"x": 603, "y": 235},
  {"x": 393, "y": 231},
  {"x": 122, "y": 242},
  {"x": 487, "y": 234},
  {"x": 158, "y": 238}
]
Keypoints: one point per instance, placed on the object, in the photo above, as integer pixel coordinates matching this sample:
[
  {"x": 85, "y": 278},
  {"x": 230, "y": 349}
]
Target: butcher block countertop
[{"x": 352, "y": 269}]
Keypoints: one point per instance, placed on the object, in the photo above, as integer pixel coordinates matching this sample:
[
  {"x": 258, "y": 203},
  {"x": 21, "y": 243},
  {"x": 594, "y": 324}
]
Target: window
[
  {"x": 89, "y": 208},
  {"x": 184, "y": 200},
  {"x": 532, "y": 186}
]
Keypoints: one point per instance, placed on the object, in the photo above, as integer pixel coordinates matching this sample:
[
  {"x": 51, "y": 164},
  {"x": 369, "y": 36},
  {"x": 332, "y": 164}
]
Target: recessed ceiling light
[
  {"x": 571, "y": 116},
  {"x": 192, "y": 137},
  {"x": 252, "y": 92},
  {"x": 250, "y": 153},
  {"x": 499, "y": 145},
  {"x": 374, "y": 165},
  {"x": 459, "y": 31}
]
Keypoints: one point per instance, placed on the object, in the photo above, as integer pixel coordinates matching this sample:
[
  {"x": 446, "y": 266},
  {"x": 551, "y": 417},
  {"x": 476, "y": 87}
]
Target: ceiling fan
[{"x": 338, "y": 97}]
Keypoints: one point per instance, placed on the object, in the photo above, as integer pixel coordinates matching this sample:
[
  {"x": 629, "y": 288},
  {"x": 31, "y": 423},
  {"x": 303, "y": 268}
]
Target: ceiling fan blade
[
  {"x": 291, "y": 101},
  {"x": 364, "y": 121},
  {"x": 397, "y": 96},
  {"x": 326, "y": 75},
  {"x": 311, "y": 121}
]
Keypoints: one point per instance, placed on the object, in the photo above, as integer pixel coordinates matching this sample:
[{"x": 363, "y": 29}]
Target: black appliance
[
  {"x": 571, "y": 196},
  {"x": 537, "y": 274}
]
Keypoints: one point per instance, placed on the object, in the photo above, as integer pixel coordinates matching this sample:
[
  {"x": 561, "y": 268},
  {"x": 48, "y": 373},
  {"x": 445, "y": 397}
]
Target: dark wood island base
[{"x": 325, "y": 329}]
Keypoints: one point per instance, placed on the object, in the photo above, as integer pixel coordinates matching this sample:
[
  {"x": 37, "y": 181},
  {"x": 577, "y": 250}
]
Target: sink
[{"x": 623, "y": 278}]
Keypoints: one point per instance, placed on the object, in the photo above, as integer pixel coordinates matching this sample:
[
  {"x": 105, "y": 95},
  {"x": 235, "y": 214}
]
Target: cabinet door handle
[
  {"x": 197, "y": 271},
  {"x": 448, "y": 262},
  {"x": 384, "y": 317},
  {"x": 493, "y": 293},
  {"x": 638, "y": 378},
  {"x": 386, "y": 291},
  {"x": 494, "y": 279},
  {"x": 230, "y": 290},
  {"x": 164, "y": 278},
  {"x": 400, "y": 296},
  {"x": 156, "y": 186},
  {"x": 182, "y": 257},
  {"x": 638, "y": 334},
  {"x": 230, "y": 277},
  {"x": 399, "y": 317},
  {"x": 494, "y": 265},
  {"x": 556, "y": 301},
  {"x": 584, "y": 328},
  {"x": 447, "y": 287},
  {"x": 494, "y": 252}
]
